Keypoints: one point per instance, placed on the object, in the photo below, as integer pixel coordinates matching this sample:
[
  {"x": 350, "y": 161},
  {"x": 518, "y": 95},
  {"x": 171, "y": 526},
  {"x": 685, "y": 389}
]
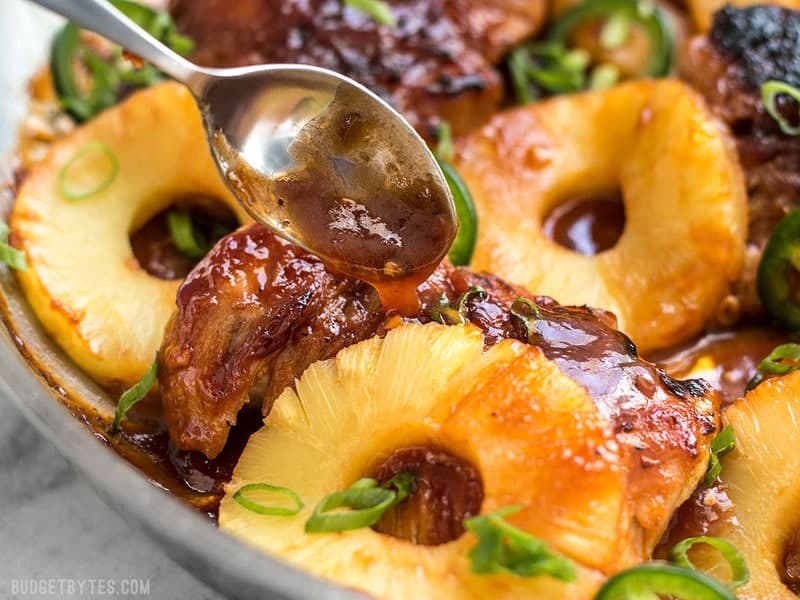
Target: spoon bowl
[{"x": 314, "y": 156}]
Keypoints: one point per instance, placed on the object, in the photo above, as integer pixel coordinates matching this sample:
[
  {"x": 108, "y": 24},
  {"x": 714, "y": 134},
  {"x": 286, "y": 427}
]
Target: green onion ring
[
  {"x": 261, "y": 509},
  {"x": 653, "y": 580},
  {"x": 740, "y": 574},
  {"x": 772, "y": 364},
  {"x": 476, "y": 291},
  {"x": 404, "y": 484},
  {"x": 442, "y": 312},
  {"x": 769, "y": 94},
  {"x": 183, "y": 234},
  {"x": 134, "y": 394},
  {"x": 92, "y": 147},
  {"x": 12, "y": 257},
  {"x": 378, "y": 10},
  {"x": 367, "y": 503},
  {"x": 723, "y": 442},
  {"x": 8, "y": 254},
  {"x": 519, "y": 65}
]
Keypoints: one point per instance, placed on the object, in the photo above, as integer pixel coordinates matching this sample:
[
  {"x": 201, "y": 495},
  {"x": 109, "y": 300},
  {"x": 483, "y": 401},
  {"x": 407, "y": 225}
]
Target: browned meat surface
[
  {"x": 745, "y": 48},
  {"x": 257, "y": 311},
  {"x": 436, "y": 63}
]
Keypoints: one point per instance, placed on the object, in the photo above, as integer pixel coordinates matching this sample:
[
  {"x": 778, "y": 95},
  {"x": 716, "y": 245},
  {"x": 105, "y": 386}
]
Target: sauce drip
[
  {"x": 356, "y": 198},
  {"x": 587, "y": 226}
]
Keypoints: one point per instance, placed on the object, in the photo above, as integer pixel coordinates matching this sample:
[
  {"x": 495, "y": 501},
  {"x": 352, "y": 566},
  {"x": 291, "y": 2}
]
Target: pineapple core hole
[
  {"x": 587, "y": 226},
  {"x": 448, "y": 491},
  {"x": 790, "y": 569},
  {"x": 155, "y": 250}
]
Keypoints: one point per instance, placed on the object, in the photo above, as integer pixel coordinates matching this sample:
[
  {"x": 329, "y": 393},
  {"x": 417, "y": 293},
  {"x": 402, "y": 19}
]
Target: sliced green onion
[
  {"x": 754, "y": 382},
  {"x": 404, "y": 484},
  {"x": 12, "y": 257},
  {"x": 656, "y": 580},
  {"x": 603, "y": 77},
  {"x": 723, "y": 443},
  {"x": 366, "y": 502},
  {"x": 107, "y": 76},
  {"x": 616, "y": 30},
  {"x": 445, "y": 313},
  {"x": 769, "y": 96},
  {"x": 378, "y": 10},
  {"x": 504, "y": 549},
  {"x": 264, "y": 509},
  {"x": 463, "y": 246},
  {"x": 463, "y": 302},
  {"x": 82, "y": 166},
  {"x": 134, "y": 394},
  {"x": 444, "y": 147},
  {"x": 184, "y": 236},
  {"x": 442, "y": 312},
  {"x": 157, "y": 23},
  {"x": 518, "y": 67},
  {"x": 782, "y": 360},
  {"x": 740, "y": 574},
  {"x": 528, "y": 313},
  {"x": 8, "y": 254},
  {"x": 550, "y": 66}
]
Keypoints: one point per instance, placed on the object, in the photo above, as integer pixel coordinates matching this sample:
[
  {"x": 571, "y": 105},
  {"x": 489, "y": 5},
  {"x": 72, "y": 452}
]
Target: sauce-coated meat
[
  {"x": 434, "y": 64},
  {"x": 257, "y": 311},
  {"x": 745, "y": 48}
]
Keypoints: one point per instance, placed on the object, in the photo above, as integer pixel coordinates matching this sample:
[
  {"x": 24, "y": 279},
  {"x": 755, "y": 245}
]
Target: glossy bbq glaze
[
  {"x": 257, "y": 311},
  {"x": 198, "y": 480},
  {"x": 435, "y": 64},
  {"x": 352, "y": 193}
]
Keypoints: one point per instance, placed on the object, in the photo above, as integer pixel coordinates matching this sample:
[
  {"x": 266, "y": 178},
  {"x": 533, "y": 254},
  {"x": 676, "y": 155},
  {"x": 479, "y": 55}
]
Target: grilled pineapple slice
[
  {"x": 83, "y": 281},
  {"x": 534, "y": 435},
  {"x": 762, "y": 475},
  {"x": 684, "y": 196}
]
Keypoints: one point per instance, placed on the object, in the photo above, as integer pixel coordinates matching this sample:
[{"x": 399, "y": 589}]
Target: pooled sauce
[
  {"x": 708, "y": 511},
  {"x": 586, "y": 226},
  {"x": 790, "y": 568},
  {"x": 155, "y": 251},
  {"x": 354, "y": 198},
  {"x": 447, "y": 491},
  {"x": 727, "y": 359}
]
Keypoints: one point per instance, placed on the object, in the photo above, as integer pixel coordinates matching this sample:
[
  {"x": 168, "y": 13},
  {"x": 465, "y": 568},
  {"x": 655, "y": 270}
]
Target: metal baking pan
[{"x": 42, "y": 381}]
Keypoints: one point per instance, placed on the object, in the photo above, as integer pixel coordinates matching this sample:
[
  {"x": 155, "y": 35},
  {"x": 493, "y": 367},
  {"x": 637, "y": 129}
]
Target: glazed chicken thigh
[
  {"x": 257, "y": 311},
  {"x": 434, "y": 65}
]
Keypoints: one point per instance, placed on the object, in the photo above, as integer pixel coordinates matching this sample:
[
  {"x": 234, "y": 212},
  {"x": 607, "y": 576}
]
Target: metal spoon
[{"x": 311, "y": 154}]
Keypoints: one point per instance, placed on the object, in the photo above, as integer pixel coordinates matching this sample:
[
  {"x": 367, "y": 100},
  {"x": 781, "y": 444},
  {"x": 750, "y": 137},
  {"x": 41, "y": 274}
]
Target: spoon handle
[{"x": 102, "y": 17}]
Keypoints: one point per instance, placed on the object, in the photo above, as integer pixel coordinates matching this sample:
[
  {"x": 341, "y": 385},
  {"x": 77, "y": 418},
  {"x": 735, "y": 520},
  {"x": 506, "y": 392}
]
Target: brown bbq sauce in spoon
[{"x": 363, "y": 207}]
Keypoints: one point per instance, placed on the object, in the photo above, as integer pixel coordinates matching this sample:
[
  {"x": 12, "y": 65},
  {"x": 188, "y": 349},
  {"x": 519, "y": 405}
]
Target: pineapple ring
[
  {"x": 762, "y": 476},
  {"x": 83, "y": 282},
  {"x": 684, "y": 195},
  {"x": 534, "y": 435}
]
